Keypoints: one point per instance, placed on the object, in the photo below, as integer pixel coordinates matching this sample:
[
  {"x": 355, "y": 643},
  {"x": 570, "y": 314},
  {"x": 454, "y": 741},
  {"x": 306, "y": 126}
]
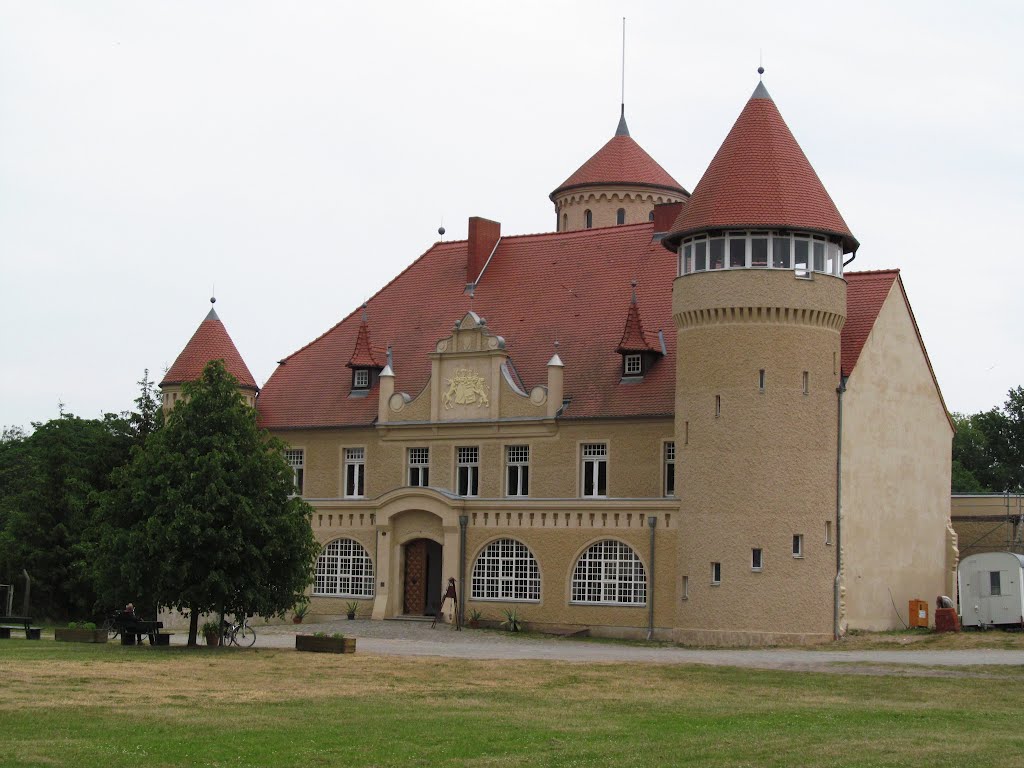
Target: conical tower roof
[
  {"x": 760, "y": 178},
  {"x": 209, "y": 342},
  {"x": 362, "y": 355},
  {"x": 621, "y": 162}
]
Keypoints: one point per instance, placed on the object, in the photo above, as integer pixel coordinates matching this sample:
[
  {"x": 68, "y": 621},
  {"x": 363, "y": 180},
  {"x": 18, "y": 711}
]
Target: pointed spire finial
[
  {"x": 622, "y": 129},
  {"x": 364, "y": 311},
  {"x": 633, "y": 283}
]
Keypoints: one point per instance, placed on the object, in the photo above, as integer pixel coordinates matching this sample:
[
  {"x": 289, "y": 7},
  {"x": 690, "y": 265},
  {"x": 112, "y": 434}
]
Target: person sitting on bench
[{"x": 128, "y": 617}]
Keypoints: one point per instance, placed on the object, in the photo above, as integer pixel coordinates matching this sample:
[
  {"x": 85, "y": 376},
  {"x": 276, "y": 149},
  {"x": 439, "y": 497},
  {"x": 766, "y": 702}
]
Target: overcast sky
[{"x": 298, "y": 155}]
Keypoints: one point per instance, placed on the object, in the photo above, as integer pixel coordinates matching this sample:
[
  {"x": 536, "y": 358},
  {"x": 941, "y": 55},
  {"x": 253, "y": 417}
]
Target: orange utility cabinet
[{"x": 918, "y": 614}]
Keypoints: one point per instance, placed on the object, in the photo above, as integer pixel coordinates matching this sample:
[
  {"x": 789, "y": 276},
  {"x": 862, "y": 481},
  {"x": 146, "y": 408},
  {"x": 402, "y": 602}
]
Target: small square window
[
  {"x": 716, "y": 573},
  {"x": 633, "y": 365},
  {"x": 361, "y": 378},
  {"x": 756, "y": 559},
  {"x": 798, "y": 545}
]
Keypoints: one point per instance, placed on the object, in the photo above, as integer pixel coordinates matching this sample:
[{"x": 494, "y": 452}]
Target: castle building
[{"x": 677, "y": 416}]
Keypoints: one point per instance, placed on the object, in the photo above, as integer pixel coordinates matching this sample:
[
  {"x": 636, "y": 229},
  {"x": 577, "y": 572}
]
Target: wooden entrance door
[{"x": 416, "y": 577}]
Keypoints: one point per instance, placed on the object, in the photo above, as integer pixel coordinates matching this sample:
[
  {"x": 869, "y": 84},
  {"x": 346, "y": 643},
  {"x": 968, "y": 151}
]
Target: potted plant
[
  {"x": 350, "y": 610},
  {"x": 80, "y": 632},
  {"x": 512, "y": 621},
  {"x": 300, "y": 610},
  {"x": 211, "y": 631},
  {"x": 323, "y": 643},
  {"x": 473, "y": 618}
]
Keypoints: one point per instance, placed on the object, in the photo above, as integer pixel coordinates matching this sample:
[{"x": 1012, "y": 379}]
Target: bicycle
[
  {"x": 239, "y": 633},
  {"x": 112, "y": 625}
]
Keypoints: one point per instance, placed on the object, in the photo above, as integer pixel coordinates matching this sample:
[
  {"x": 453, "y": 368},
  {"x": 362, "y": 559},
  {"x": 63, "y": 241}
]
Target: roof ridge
[
  {"x": 578, "y": 232},
  {"x": 887, "y": 271}
]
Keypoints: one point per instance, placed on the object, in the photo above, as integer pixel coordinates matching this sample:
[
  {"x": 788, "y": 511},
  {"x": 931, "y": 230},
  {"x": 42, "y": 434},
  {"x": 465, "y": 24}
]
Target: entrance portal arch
[{"x": 422, "y": 577}]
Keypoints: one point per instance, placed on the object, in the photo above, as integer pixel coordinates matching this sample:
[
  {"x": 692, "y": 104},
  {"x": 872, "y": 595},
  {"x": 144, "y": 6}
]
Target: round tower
[
  {"x": 620, "y": 184},
  {"x": 759, "y": 303},
  {"x": 210, "y": 342}
]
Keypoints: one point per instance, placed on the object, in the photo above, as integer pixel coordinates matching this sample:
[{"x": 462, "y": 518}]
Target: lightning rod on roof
[
  {"x": 623, "y": 100},
  {"x": 760, "y": 62}
]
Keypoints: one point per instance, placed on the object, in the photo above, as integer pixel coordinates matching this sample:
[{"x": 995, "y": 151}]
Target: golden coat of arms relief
[{"x": 465, "y": 387}]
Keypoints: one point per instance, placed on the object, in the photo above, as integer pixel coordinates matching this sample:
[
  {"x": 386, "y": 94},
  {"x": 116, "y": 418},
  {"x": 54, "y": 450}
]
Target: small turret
[{"x": 210, "y": 342}]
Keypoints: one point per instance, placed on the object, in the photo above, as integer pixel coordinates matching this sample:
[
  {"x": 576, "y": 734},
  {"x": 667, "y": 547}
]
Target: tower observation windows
[{"x": 803, "y": 253}]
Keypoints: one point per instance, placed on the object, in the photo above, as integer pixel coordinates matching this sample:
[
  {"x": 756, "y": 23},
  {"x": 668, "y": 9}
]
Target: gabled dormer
[
  {"x": 639, "y": 351},
  {"x": 365, "y": 365}
]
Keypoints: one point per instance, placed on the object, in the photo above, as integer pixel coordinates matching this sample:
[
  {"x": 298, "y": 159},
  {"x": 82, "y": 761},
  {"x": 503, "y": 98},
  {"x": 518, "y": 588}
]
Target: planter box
[
  {"x": 325, "y": 644},
  {"x": 64, "y": 635}
]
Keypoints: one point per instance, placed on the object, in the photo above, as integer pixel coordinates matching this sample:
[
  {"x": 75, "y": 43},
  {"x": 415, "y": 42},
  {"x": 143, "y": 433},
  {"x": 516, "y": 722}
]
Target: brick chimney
[
  {"x": 484, "y": 234},
  {"x": 665, "y": 215}
]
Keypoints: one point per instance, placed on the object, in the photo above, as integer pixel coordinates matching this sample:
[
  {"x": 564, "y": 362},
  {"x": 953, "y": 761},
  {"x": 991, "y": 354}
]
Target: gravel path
[{"x": 405, "y": 638}]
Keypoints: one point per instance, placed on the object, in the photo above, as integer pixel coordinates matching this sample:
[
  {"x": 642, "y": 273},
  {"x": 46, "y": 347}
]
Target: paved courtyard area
[{"x": 409, "y": 638}]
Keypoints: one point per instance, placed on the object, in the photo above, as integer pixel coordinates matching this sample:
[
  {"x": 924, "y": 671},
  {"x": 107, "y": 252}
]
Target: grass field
[{"x": 82, "y": 705}]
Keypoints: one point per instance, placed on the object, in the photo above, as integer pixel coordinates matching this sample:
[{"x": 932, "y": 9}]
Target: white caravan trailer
[{"x": 990, "y": 589}]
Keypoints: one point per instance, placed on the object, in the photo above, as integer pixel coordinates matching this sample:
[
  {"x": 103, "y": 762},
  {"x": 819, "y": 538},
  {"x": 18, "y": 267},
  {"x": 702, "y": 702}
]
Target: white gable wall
[{"x": 896, "y": 454}]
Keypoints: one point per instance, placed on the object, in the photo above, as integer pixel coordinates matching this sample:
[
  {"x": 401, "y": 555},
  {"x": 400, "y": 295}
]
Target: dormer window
[
  {"x": 633, "y": 365},
  {"x": 361, "y": 378}
]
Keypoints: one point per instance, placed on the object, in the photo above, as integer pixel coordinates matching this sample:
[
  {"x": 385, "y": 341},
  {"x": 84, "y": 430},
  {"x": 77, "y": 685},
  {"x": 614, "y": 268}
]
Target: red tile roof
[
  {"x": 209, "y": 342},
  {"x": 760, "y": 178},
  {"x": 633, "y": 337},
  {"x": 538, "y": 289},
  {"x": 622, "y": 162},
  {"x": 865, "y": 294},
  {"x": 362, "y": 355}
]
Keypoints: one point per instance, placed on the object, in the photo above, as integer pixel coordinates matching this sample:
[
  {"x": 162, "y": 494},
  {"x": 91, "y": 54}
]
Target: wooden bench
[
  {"x": 7, "y": 623},
  {"x": 132, "y": 628}
]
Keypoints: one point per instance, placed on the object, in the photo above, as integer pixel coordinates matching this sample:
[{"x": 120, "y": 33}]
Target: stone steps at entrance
[{"x": 427, "y": 619}]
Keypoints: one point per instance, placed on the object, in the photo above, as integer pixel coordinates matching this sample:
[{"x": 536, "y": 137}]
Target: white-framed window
[
  {"x": 419, "y": 467},
  {"x": 802, "y": 252},
  {"x": 468, "y": 471},
  {"x": 355, "y": 473},
  {"x": 798, "y": 545},
  {"x": 595, "y": 469},
  {"x": 756, "y": 559},
  {"x": 609, "y": 573},
  {"x": 670, "y": 468},
  {"x": 296, "y": 458},
  {"x": 361, "y": 378},
  {"x": 633, "y": 365},
  {"x": 716, "y": 573},
  {"x": 344, "y": 569},
  {"x": 506, "y": 570},
  {"x": 517, "y": 470}
]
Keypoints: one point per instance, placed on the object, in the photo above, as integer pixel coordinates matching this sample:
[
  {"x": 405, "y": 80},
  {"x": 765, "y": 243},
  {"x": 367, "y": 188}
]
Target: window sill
[
  {"x": 606, "y": 604},
  {"x": 535, "y": 601}
]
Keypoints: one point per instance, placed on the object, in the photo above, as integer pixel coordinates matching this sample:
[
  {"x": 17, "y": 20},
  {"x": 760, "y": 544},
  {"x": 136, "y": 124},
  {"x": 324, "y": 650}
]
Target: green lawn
[{"x": 80, "y": 705}]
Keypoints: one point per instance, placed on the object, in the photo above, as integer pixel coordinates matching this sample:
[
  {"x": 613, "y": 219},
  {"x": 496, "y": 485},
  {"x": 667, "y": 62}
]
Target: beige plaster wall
[
  {"x": 765, "y": 468},
  {"x": 604, "y": 202},
  {"x": 896, "y": 476}
]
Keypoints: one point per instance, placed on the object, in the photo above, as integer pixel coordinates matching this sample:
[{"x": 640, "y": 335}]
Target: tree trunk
[{"x": 193, "y": 624}]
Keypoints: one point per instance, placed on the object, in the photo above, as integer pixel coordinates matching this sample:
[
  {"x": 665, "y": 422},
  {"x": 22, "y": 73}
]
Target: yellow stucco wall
[
  {"x": 896, "y": 476},
  {"x": 604, "y": 203},
  {"x": 763, "y": 470}
]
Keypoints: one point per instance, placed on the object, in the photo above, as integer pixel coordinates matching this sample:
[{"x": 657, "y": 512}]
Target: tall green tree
[
  {"x": 988, "y": 448},
  {"x": 204, "y": 518},
  {"x": 48, "y": 482}
]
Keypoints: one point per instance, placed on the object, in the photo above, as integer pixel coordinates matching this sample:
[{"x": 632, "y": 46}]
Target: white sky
[{"x": 298, "y": 155}]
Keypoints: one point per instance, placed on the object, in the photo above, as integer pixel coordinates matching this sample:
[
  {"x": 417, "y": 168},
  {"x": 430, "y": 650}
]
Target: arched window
[
  {"x": 620, "y": 216},
  {"x": 610, "y": 573},
  {"x": 565, "y": 222},
  {"x": 344, "y": 569},
  {"x": 588, "y": 219},
  {"x": 506, "y": 570},
  {"x": 650, "y": 216}
]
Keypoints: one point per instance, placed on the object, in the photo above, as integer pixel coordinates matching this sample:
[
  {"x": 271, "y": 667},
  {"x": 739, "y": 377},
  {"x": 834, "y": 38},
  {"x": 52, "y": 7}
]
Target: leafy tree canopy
[
  {"x": 988, "y": 448},
  {"x": 204, "y": 518}
]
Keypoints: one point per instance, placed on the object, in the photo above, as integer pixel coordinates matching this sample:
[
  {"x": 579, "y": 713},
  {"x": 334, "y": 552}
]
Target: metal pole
[
  {"x": 651, "y": 522},
  {"x": 839, "y": 507},
  {"x": 463, "y": 522}
]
